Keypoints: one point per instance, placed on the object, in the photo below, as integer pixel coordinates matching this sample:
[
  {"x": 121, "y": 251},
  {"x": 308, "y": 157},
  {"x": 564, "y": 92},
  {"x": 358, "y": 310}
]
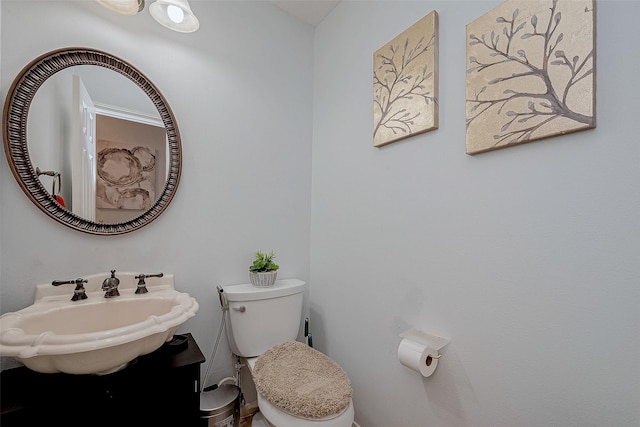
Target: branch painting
[
  {"x": 405, "y": 83},
  {"x": 530, "y": 73}
]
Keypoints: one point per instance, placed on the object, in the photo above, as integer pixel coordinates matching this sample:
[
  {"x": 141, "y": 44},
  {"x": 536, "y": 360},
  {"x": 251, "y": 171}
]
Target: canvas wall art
[
  {"x": 405, "y": 83},
  {"x": 125, "y": 177},
  {"x": 530, "y": 73}
]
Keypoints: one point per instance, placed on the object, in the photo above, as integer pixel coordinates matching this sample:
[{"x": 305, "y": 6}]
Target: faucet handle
[
  {"x": 79, "y": 292},
  {"x": 80, "y": 281},
  {"x": 142, "y": 286},
  {"x": 145, "y": 276}
]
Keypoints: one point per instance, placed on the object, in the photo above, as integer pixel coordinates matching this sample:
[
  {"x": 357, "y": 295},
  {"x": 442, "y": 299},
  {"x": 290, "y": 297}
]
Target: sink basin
[{"x": 96, "y": 335}]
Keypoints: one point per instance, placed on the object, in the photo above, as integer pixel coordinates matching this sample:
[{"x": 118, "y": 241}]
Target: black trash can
[{"x": 220, "y": 407}]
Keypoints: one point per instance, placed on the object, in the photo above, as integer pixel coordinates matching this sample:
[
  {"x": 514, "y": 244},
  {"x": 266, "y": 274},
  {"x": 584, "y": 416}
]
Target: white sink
[{"x": 96, "y": 335}]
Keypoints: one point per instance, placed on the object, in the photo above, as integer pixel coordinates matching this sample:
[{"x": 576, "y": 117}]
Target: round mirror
[{"x": 91, "y": 141}]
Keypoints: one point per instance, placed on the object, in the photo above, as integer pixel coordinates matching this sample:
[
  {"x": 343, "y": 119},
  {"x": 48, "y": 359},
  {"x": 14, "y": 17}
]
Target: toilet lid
[{"x": 302, "y": 381}]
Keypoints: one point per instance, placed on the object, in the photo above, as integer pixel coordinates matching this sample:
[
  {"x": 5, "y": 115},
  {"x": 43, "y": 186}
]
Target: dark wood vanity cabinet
[{"x": 158, "y": 389}]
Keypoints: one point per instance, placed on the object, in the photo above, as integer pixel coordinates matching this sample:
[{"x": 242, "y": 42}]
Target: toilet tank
[{"x": 261, "y": 317}]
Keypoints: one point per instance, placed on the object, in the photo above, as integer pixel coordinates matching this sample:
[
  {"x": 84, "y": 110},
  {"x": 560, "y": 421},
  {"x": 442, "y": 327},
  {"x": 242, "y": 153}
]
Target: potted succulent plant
[{"x": 263, "y": 271}]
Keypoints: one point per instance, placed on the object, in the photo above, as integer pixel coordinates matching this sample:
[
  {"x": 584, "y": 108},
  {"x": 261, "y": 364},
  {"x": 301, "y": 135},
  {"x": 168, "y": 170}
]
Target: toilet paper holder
[{"x": 428, "y": 340}]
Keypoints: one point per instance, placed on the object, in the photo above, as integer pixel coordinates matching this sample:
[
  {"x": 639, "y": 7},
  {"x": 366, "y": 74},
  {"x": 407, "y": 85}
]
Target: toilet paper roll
[{"x": 418, "y": 357}]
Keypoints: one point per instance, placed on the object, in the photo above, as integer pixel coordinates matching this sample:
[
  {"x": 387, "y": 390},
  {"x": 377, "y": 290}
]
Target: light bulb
[{"x": 175, "y": 13}]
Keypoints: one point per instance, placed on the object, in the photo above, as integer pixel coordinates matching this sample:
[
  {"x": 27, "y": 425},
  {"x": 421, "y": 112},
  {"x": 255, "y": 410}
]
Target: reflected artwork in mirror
[{"x": 50, "y": 117}]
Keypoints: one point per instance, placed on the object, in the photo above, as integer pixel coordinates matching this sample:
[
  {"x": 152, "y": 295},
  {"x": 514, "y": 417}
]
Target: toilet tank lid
[{"x": 248, "y": 292}]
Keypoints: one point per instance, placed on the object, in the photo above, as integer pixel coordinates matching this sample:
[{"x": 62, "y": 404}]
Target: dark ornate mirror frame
[{"x": 14, "y": 133}]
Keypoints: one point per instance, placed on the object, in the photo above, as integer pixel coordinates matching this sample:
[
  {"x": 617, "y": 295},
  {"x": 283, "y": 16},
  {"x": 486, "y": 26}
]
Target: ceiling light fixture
[
  {"x": 123, "y": 7},
  {"x": 175, "y": 15}
]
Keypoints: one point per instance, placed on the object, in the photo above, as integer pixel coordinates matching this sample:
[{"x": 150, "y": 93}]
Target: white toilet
[{"x": 264, "y": 321}]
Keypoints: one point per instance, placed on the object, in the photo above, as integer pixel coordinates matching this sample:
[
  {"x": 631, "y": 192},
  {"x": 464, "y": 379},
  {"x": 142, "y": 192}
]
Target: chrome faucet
[
  {"x": 110, "y": 286},
  {"x": 79, "y": 292}
]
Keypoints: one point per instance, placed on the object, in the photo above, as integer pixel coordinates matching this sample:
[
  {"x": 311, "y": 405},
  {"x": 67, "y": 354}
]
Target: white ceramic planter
[{"x": 263, "y": 279}]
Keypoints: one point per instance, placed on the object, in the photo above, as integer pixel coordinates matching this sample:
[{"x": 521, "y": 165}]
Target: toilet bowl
[
  {"x": 281, "y": 418},
  {"x": 262, "y": 326}
]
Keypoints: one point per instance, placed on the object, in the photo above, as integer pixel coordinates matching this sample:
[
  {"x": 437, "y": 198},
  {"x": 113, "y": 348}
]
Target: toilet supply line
[{"x": 225, "y": 306}]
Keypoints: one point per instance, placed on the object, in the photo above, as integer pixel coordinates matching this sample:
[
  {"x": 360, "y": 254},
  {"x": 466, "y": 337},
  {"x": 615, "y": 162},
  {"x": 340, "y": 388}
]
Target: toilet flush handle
[{"x": 241, "y": 309}]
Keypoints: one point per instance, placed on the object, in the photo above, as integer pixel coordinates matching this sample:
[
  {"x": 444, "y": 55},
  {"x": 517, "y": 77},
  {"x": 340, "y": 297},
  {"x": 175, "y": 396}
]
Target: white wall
[
  {"x": 241, "y": 91},
  {"x": 527, "y": 258}
]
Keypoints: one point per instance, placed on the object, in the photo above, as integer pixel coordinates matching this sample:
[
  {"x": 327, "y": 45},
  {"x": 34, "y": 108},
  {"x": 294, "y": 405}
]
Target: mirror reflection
[
  {"x": 91, "y": 141},
  {"x": 98, "y": 143}
]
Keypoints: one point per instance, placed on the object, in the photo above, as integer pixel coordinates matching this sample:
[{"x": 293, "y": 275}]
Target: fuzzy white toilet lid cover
[{"x": 302, "y": 381}]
